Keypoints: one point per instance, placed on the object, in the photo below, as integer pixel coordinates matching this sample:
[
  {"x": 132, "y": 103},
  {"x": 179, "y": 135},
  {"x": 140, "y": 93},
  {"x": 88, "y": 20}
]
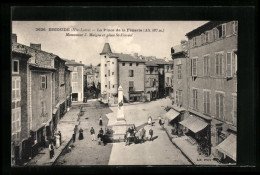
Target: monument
[{"x": 120, "y": 126}]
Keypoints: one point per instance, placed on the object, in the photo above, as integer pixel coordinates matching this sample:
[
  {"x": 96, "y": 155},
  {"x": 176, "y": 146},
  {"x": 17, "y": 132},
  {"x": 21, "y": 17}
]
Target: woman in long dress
[
  {"x": 81, "y": 134},
  {"x": 100, "y": 121},
  {"x": 57, "y": 141}
]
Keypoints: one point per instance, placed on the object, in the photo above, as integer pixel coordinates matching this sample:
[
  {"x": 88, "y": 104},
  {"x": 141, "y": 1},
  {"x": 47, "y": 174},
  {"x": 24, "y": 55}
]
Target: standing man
[
  {"x": 151, "y": 134},
  {"x": 92, "y": 132},
  {"x": 100, "y": 121},
  {"x": 143, "y": 134},
  {"x": 59, "y": 133}
]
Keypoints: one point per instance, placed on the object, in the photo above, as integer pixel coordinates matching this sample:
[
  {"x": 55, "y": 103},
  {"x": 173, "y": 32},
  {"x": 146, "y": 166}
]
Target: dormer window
[{"x": 15, "y": 66}]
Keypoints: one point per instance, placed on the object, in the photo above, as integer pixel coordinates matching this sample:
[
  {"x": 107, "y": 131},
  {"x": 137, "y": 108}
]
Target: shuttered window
[
  {"x": 43, "y": 81},
  {"x": 195, "y": 98},
  {"x": 220, "y": 106},
  {"x": 206, "y": 65},
  {"x": 206, "y": 99},
  {"x": 131, "y": 73},
  {"x": 235, "y": 110},
  {"x": 179, "y": 71},
  {"x": 16, "y": 88},
  {"x": 194, "y": 67},
  {"x": 229, "y": 65},
  {"x": 219, "y": 63}
]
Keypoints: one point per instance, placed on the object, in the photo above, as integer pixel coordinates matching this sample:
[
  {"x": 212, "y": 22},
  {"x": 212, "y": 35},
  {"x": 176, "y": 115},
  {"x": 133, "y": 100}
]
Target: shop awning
[
  {"x": 194, "y": 124},
  {"x": 229, "y": 147},
  {"x": 36, "y": 128},
  {"x": 171, "y": 114}
]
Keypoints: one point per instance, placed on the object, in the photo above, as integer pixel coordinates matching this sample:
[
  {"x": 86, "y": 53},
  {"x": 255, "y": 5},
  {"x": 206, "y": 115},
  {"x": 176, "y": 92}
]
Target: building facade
[
  {"x": 19, "y": 122},
  {"x": 212, "y": 80},
  {"x": 77, "y": 80},
  {"x": 121, "y": 69},
  {"x": 151, "y": 80}
]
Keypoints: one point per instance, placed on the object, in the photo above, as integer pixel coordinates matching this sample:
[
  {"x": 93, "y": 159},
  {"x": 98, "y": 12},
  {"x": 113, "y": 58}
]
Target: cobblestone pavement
[{"x": 87, "y": 152}]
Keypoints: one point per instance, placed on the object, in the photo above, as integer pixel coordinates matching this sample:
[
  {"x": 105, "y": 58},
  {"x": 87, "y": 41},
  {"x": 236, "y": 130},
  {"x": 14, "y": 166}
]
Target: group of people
[
  {"x": 54, "y": 142},
  {"x": 138, "y": 136}
]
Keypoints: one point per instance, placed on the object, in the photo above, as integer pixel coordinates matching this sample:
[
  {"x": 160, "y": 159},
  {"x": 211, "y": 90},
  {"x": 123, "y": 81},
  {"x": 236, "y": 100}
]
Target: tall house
[
  {"x": 121, "y": 69},
  {"x": 179, "y": 56},
  {"x": 19, "y": 122},
  {"x": 151, "y": 80},
  {"x": 212, "y": 79},
  {"x": 77, "y": 80}
]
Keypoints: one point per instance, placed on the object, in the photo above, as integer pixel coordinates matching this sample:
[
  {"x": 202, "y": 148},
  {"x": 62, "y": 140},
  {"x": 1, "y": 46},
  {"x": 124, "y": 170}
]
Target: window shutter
[
  {"x": 228, "y": 65},
  {"x": 208, "y": 103},
  {"x": 217, "y": 105},
  {"x": 204, "y": 101},
  {"x": 222, "y": 106}
]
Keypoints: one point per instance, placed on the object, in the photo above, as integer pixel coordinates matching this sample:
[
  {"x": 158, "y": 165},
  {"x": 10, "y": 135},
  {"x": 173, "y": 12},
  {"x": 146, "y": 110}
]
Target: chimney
[
  {"x": 14, "y": 38},
  {"x": 35, "y": 46}
]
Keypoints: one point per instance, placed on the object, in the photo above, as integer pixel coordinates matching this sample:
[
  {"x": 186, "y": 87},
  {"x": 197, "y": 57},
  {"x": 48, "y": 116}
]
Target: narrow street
[{"x": 160, "y": 151}]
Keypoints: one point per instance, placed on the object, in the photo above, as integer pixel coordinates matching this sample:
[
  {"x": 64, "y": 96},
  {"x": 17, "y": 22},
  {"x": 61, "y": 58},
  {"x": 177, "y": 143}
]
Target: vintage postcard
[{"x": 124, "y": 93}]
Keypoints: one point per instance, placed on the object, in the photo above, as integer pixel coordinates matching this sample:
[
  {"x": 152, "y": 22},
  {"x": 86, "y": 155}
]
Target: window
[
  {"x": 43, "y": 81},
  {"x": 113, "y": 86},
  {"x": 207, "y": 37},
  {"x": 235, "y": 27},
  {"x": 178, "y": 97},
  {"x": 16, "y": 122},
  {"x": 105, "y": 75},
  {"x": 234, "y": 55},
  {"x": 131, "y": 86},
  {"x": 105, "y": 65},
  {"x": 206, "y": 100},
  {"x": 194, "y": 41},
  {"x": 151, "y": 70},
  {"x": 167, "y": 68},
  {"x": 179, "y": 71},
  {"x": 219, "y": 63},
  {"x": 131, "y": 73},
  {"x": 15, "y": 66},
  {"x": 229, "y": 65},
  {"x": 195, "y": 99},
  {"x": 206, "y": 65},
  {"x": 130, "y": 64},
  {"x": 108, "y": 72},
  {"x": 112, "y": 62},
  {"x": 105, "y": 85},
  {"x": 74, "y": 86},
  {"x": 16, "y": 88},
  {"x": 223, "y": 30},
  {"x": 202, "y": 38},
  {"x": 235, "y": 110},
  {"x": 43, "y": 105},
  {"x": 74, "y": 76},
  {"x": 220, "y": 105},
  {"x": 168, "y": 81},
  {"x": 152, "y": 82},
  {"x": 215, "y": 34},
  {"x": 194, "y": 67},
  {"x": 123, "y": 64},
  {"x": 137, "y": 64},
  {"x": 108, "y": 84},
  {"x": 112, "y": 73}
]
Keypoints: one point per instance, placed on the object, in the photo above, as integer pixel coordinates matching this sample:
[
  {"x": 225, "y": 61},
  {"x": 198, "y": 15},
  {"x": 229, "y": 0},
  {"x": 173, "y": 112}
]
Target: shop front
[
  {"x": 135, "y": 96},
  {"x": 198, "y": 133},
  {"x": 173, "y": 118}
]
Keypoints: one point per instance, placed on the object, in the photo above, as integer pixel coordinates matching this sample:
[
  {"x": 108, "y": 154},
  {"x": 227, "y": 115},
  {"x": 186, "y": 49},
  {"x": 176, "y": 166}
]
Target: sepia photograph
[{"x": 124, "y": 93}]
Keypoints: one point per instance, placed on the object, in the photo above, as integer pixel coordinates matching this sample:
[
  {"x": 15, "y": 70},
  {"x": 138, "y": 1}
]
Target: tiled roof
[
  {"x": 151, "y": 63},
  {"x": 162, "y": 61},
  {"x": 106, "y": 49},
  {"x": 126, "y": 57},
  {"x": 71, "y": 62}
]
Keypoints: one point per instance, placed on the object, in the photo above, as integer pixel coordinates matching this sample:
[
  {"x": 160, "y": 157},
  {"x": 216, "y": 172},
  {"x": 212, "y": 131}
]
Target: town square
[{"x": 124, "y": 93}]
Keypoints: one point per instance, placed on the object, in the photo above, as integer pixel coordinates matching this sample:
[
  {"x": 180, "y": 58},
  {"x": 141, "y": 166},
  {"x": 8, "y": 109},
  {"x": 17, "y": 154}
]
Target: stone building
[
  {"x": 77, "y": 80},
  {"x": 212, "y": 83},
  {"x": 151, "y": 80},
  {"x": 19, "y": 122},
  {"x": 121, "y": 69}
]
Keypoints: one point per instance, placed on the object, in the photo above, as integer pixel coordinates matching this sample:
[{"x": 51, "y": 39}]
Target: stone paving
[{"x": 66, "y": 126}]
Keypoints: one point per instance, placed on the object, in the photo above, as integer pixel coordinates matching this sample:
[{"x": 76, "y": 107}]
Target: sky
[{"x": 87, "y": 48}]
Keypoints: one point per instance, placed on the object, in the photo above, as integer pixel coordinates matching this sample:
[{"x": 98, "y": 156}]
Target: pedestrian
[
  {"x": 92, "y": 132},
  {"x": 99, "y": 136},
  {"x": 143, "y": 134},
  {"x": 51, "y": 149},
  {"x": 59, "y": 133},
  {"x": 81, "y": 134},
  {"x": 100, "y": 121},
  {"x": 151, "y": 134},
  {"x": 127, "y": 138},
  {"x": 57, "y": 141},
  {"x": 101, "y": 131},
  {"x": 149, "y": 120}
]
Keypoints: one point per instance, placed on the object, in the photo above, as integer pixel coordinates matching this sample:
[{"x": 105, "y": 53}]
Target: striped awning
[
  {"x": 171, "y": 114},
  {"x": 194, "y": 124},
  {"x": 229, "y": 146}
]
